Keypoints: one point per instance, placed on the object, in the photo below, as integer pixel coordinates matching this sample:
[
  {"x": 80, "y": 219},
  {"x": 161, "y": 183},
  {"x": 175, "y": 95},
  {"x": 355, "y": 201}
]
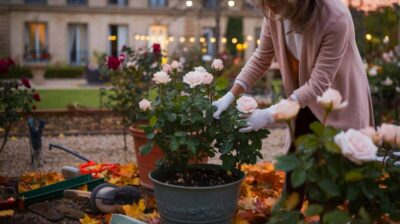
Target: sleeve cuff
[{"x": 242, "y": 84}]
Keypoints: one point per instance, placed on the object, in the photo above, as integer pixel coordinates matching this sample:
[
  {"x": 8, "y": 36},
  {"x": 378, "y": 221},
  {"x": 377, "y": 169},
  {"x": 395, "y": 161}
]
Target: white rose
[
  {"x": 398, "y": 89},
  {"x": 200, "y": 69},
  {"x": 145, "y": 105},
  {"x": 217, "y": 64},
  {"x": 207, "y": 78},
  {"x": 176, "y": 65},
  {"x": 161, "y": 77},
  {"x": 356, "y": 146},
  {"x": 331, "y": 100},
  {"x": 373, "y": 134},
  {"x": 285, "y": 110},
  {"x": 246, "y": 104},
  {"x": 193, "y": 78},
  {"x": 167, "y": 68},
  {"x": 130, "y": 64},
  {"x": 390, "y": 134},
  {"x": 373, "y": 71},
  {"x": 387, "y": 82}
]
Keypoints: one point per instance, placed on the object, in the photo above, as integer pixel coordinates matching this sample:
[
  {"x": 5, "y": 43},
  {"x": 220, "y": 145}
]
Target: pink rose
[
  {"x": 331, "y": 100},
  {"x": 176, "y": 65},
  {"x": 200, "y": 69},
  {"x": 373, "y": 71},
  {"x": 285, "y": 110},
  {"x": 373, "y": 134},
  {"x": 390, "y": 134},
  {"x": 161, "y": 77},
  {"x": 356, "y": 146},
  {"x": 121, "y": 57},
  {"x": 145, "y": 105},
  {"x": 246, "y": 104},
  {"x": 207, "y": 78},
  {"x": 193, "y": 78},
  {"x": 167, "y": 68},
  {"x": 217, "y": 64}
]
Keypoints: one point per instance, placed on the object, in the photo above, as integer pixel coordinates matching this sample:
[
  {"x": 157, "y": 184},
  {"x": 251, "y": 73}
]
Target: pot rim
[{"x": 199, "y": 188}]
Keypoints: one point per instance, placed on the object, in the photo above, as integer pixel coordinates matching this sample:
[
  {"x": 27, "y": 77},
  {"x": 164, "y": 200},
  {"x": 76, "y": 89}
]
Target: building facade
[{"x": 70, "y": 32}]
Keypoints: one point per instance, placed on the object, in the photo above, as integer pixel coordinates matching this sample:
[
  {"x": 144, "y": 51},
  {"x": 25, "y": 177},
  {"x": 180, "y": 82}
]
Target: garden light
[
  {"x": 192, "y": 40},
  {"x": 368, "y": 37},
  {"x": 224, "y": 40},
  {"x": 189, "y": 3},
  {"x": 171, "y": 39},
  {"x": 202, "y": 39}
]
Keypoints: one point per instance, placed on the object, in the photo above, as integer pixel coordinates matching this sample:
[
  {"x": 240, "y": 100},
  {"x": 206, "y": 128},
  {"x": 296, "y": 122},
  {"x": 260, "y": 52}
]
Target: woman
[{"x": 314, "y": 43}]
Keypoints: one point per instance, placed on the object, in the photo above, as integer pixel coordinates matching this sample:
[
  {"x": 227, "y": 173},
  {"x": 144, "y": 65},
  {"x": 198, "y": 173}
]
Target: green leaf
[
  {"x": 317, "y": 128},
  {"x": 314, "y": 209},
  {"x": 298, "y": 177},
  {"x": 336, "y": 217},
  {"x": 332, "y": 147},
  {"x": 150, "y": 136},
  {"x": 353, "y": 176},
  {"x": 174, "y": 145},
  {"x": 145, "y": 149},
  {"x": 329, "y": 187},
  {"x": 172, "y": 117},
  {"x": 153, "y": 121},
  {"x": 227, "y": 147},
  {"x": 287, "y": 163}
]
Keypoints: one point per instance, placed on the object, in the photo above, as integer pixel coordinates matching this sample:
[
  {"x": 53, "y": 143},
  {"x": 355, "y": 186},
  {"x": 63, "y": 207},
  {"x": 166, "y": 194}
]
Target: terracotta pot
[{"x": 146, "y": 163}]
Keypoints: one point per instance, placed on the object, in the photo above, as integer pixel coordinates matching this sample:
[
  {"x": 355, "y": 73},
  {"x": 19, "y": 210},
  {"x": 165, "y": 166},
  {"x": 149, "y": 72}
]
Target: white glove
[
  {"x": 259, "y": 119},
  {"x": 223, "y": 103}
]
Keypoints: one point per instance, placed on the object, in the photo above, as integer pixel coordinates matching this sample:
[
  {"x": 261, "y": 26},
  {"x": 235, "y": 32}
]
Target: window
[
  {"x": 118, "y": 2},
  {"x": 36, "y": 42},
  {"x": 210, "y": 4},
  {"x": 77, "y": 2},
  {"x": 209, "y": 46},
  {"x": 118, "y": 37},
  {"x": 158, "y": 34},
  {"x": 158, "y": 3},
  {"x": 77, "y": 44},
  {"x": 35, "y": 1}
]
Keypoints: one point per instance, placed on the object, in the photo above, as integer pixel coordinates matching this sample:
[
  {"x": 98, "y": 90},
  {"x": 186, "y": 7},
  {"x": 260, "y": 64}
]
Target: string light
[
  {"x": 224, "y": 40},
  {"x": 192, "y": 40},
  {"x": 182, "y": 39},
  {"x": 368, "y": 36},
  {"x": 204, "y": 50},
  {"x": 249, "y": 38},
  {"x": 231, "y": 3},
  {"x": 202, "y": 39},
  {"x": 386, "y": 39},
  {"x": 245, "y": 46},
  {"x": 171, "y": 39},
  {"x": 112, "y": 38},
  {"x": 137, "y": 37},
  {"x": 189, "y": 3},
  {"x": 234, "y": 40},
  {"x": 147, "y": 38}
]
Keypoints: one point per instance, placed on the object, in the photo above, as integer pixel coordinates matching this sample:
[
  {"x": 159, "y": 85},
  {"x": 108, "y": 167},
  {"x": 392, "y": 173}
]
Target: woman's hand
[
  {"x": 223, "y": 103},
  {"x": 259, "y": 119}
]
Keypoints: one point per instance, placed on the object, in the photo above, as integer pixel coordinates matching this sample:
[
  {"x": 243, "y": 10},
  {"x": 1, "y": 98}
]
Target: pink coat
[{"x": 329, "y": 58}]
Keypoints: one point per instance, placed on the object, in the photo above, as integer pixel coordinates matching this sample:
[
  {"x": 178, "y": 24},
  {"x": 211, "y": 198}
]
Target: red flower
[
  {"x": 113, "y": 62},
  {"x": 156, "y": 48},
  {"x": 36, "y": 97},
  {"x": 10, "y": 61},
  {"x": 26, "y": 83},
  {"x": 3, "y": 66}
]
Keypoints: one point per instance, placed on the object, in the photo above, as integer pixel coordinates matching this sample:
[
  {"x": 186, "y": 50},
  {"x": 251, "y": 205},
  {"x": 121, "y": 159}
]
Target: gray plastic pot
[{"x": 196, "y": 205}]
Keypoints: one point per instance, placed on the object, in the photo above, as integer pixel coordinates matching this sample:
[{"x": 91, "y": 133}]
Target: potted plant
[
  {"x": 182, "y": 125},
  {"x": 348, "y": 176},
  {"x": 130, "y": 75}
]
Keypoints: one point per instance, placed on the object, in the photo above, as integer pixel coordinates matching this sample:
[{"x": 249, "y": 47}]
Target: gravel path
[{"x": 15, "y": 159}]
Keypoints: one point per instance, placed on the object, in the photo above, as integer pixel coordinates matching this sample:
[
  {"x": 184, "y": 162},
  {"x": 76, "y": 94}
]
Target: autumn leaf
[{"x": 87, "y": 220}]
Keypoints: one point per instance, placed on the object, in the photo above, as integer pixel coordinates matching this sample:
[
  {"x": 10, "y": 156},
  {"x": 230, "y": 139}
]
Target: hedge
[
  {"x": 64, "y": 72},
  {"x": 17, "y": 73}
]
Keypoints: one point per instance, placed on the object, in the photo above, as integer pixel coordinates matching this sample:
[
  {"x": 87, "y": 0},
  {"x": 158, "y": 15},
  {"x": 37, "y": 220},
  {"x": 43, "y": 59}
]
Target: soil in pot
[{"x": 200, "y": 177}]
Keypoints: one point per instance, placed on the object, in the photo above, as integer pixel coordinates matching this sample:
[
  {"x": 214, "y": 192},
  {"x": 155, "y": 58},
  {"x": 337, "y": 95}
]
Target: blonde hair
[{"x": 301, "y": 13}]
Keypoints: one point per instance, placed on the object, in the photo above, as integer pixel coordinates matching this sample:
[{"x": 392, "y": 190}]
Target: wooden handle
[{"x": 77, "y": 194}]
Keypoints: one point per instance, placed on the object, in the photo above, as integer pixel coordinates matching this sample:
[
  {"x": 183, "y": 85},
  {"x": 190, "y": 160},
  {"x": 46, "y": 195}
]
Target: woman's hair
[{"x": 301, "y": 13}]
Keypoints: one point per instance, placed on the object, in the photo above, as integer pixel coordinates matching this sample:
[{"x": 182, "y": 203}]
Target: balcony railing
[
  {"x": 77, "y": 2},
  {"x": 37, "y": 56}
]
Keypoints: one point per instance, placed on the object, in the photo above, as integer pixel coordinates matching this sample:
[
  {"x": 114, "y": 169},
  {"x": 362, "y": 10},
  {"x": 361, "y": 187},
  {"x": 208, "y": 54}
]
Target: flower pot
[
  {"x": 187, "y": 205},
  {"x": 145, "y": 163}
]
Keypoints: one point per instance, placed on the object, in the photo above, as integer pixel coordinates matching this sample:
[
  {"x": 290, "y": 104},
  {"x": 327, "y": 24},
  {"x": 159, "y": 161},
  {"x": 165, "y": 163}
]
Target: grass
[{"x": 61, "y": 98}]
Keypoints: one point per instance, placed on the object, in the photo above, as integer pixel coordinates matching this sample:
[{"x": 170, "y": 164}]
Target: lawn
[{"x": 61, "y": 98}]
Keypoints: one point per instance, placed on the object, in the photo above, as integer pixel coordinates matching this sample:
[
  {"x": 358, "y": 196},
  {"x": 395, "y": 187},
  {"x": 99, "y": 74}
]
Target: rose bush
[
  {"x": 181, "y": 123},
  {"x": 346, "y": 177}
]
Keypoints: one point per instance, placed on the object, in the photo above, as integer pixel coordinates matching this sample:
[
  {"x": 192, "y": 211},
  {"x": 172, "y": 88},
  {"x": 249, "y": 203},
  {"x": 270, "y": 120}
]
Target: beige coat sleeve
[
  {"x": 261, "y": 59},
  {"x": 334, "y": 44}
]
